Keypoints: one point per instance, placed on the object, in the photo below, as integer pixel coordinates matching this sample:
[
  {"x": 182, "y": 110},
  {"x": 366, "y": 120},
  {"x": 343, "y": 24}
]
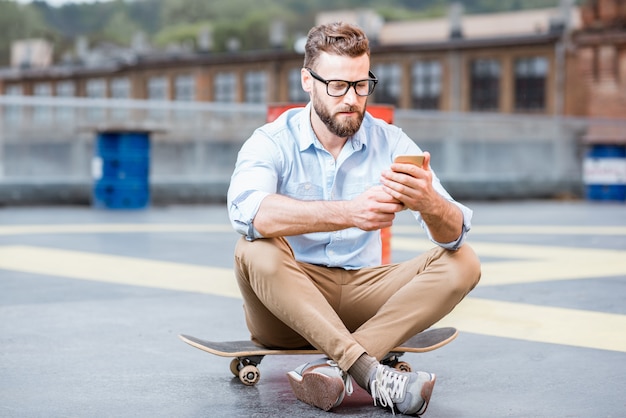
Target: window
[
  {"x": 42, "y": 114},
  {"x": 296, "y": 94},
  {"x": 184, "y": 88},
  {"x": 389, "y": 87},
  {"x": 42, "y": 90},
  {"x": 13, "y": 90},
  {"x": 157, "y": 90},
  {"x": 485, "y": 84},
  {"x": 225, "y": 87},
  {"x": 530, "y": 83},
  {"x": 256, "y": 87},
  {"x": 13, "y": 113},
  {"x": 95, "y": 89},
  {"x": 426, "y": 89},
  {"x": 184, "y": 91},
  {"x": 120, "y": 89},
  {"x": 65, "y": 89}
]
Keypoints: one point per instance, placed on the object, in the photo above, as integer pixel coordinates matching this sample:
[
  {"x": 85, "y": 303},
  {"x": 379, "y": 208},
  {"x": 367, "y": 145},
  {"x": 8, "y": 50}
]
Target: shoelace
[
  {"x": 387, "y": 386},
  {"x": 347, "y": 379}
]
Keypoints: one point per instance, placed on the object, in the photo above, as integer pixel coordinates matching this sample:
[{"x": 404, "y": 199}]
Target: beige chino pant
[{"x": 346, "y": 313}]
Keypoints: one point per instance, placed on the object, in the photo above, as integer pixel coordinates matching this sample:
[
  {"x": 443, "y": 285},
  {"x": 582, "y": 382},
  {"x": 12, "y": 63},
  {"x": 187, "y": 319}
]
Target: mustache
[{"x": 348, "y": 109}]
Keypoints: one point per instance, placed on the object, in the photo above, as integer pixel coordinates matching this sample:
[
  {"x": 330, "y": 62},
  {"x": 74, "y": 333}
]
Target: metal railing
[{"x": 51, "y": 139}]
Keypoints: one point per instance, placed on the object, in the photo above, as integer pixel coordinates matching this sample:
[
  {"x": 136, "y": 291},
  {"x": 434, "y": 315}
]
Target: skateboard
[{"x": 247, "y": 356}]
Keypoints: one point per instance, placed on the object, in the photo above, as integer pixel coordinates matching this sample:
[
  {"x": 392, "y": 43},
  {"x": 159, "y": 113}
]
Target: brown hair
[{"x": 335, "y": 38}]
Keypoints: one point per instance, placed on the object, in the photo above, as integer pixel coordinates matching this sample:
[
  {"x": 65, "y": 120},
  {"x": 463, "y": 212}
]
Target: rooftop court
[{"x": 92, "y": 301}]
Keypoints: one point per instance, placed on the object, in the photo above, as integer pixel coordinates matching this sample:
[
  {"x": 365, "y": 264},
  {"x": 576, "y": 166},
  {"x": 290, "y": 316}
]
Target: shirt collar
[{"x": 307, "y": 137}]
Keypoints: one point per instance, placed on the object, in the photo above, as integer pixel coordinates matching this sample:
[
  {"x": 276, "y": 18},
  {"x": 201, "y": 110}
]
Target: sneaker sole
[
  {"x": 317, "y": 389},
  {"x": 426, "y": 393}
]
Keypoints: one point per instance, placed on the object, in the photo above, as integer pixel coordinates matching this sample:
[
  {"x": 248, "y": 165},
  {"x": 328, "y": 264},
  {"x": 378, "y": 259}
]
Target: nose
[{"x": 351, "y": 97}]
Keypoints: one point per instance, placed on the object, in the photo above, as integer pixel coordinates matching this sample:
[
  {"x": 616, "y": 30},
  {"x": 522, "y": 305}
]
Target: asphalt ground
[{"x": 92, "y": 302}]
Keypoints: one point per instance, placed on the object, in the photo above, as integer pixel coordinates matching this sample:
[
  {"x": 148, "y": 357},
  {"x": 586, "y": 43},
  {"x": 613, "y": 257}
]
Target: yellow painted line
[
  {"x": 527, "y": 230},
  {"x": 120, "y": 270},
  {"x": 481, "y": 316},
  {"x": 540, "y": 323},
  {"x": 110, "y": 228},
  {"x": 534, "y": 263}
]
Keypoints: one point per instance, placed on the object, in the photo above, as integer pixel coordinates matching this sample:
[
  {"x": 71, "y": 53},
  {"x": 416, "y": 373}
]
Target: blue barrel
[
  {"x": 604, "y": 173},
  {"x": 121, "y": 169}
]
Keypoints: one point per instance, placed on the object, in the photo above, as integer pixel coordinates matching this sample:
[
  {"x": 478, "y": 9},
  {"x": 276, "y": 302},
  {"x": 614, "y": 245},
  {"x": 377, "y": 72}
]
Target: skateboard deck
[{"x": 247, "y": 355}]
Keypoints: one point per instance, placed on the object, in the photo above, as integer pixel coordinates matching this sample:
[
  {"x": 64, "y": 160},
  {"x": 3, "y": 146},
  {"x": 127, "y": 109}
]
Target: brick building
[
  {"x": 526, "y": 62},
  {"x": 600, "y": 50}
]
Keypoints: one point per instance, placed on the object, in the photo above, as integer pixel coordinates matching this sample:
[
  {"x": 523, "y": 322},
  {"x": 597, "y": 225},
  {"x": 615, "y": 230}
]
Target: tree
[{"x": 20, "y": 22}]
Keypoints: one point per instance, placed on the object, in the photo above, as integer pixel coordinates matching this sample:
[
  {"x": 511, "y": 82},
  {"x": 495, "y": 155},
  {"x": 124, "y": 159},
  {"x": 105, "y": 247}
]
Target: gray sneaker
[
  {"x": 408, "y": 392},
  {"x": 320, "y": 383}
]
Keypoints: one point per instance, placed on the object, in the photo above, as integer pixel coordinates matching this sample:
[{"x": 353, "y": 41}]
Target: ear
[{"x": 306, "y": 80}]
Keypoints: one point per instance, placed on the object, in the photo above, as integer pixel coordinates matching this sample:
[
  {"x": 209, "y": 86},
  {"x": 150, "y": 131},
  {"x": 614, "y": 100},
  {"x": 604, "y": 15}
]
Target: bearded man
[{"x": 309, "y": 195}]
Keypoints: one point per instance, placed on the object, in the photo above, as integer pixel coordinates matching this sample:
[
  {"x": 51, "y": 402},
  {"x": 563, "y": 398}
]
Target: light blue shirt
[{"x": 285, "y": 157}]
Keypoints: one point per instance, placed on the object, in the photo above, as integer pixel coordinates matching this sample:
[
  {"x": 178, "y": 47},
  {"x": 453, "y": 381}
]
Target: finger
[{"x": 426, "y": 162}]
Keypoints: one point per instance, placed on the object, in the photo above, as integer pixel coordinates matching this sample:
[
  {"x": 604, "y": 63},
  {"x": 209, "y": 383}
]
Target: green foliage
[
  {"x": 179, "y": 21},
  {"x": 20, "y": 21},
  {"x": 180, "y": 12},
  {"x": 180, "y": 34},
  {"x": 120, "y": 28}
]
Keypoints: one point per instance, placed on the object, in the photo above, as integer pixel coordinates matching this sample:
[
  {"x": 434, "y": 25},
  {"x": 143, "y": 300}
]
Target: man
[{"x": 310, "y": 193}]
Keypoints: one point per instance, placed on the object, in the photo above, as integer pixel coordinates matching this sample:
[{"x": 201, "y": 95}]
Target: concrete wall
[{"x": 194, "y": 147}]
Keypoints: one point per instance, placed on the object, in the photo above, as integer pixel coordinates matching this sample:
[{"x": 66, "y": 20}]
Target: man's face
[{"x": 341, "y": 115}]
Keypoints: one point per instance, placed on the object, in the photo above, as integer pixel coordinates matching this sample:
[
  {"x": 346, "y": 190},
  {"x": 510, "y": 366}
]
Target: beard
[{"x": 344, "y": 128}]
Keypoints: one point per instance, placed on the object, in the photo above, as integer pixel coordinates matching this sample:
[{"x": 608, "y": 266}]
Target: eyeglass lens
[{"x": 339, "y": 88}]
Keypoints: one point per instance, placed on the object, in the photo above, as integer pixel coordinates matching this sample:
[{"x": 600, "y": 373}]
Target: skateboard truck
[
  {"x": 245, "y": 368},
  {"x": 393, "y": 360}
]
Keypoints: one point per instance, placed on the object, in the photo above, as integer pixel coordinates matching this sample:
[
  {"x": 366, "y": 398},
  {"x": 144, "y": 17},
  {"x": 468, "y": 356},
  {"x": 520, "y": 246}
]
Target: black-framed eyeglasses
[{"x": 338, "y": 88}]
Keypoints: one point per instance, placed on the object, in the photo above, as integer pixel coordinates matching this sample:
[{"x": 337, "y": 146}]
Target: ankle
[{"x": 363, "y": 369}]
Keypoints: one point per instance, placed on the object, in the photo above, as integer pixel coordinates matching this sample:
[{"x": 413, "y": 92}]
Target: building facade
[
  {"x": 519, "y": 95},
  {"x": 526, "y": 63}
]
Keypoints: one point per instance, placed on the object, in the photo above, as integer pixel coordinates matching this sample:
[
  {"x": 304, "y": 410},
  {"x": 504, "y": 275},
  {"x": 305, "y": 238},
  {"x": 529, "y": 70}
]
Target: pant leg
[
  {"x": 408, "y": 297},
  {"x": 284, "y": 307}
]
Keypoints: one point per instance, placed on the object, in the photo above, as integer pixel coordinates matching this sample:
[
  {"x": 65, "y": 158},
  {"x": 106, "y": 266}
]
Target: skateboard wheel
[
  {"x": 235, "y": 366},
  {"x": 249, "y": 375},
  {"x": 403, "y": 366}
]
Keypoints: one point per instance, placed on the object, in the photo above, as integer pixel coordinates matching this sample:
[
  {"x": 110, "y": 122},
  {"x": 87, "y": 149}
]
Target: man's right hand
[{"x": 374, "y": 209}]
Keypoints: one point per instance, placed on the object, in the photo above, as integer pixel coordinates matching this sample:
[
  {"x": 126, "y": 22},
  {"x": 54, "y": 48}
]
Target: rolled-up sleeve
[
  {"x": 467, "y": 225},
  {"x": 242, "y": 210},
  {"x": 253, "y": 179}
]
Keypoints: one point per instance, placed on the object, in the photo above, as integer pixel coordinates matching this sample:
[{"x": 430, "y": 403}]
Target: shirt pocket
[
  {"x": 352, "y": 190},
  {"x": 305, "y": 191}
]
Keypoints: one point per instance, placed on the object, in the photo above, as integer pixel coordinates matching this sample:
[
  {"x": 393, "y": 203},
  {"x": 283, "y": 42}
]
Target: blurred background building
[{"x": 509, "y": 104}]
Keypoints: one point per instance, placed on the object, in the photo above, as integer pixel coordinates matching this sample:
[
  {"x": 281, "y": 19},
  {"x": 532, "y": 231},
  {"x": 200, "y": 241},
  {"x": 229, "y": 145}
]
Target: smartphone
[{"x": 417, "y": 160}]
